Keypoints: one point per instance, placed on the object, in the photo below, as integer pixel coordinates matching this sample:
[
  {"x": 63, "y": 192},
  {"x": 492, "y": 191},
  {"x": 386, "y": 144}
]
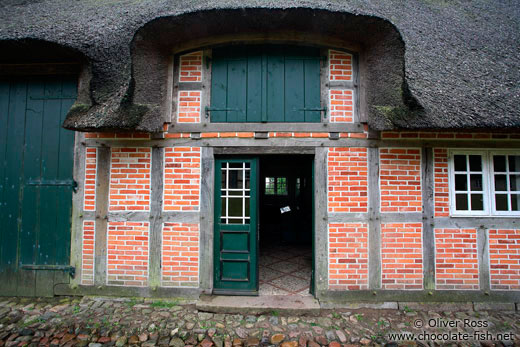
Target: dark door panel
[{"x": 235, "y": 241}]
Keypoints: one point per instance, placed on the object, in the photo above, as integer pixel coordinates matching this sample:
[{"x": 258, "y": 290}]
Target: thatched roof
[{"x": 459, "y": 59}]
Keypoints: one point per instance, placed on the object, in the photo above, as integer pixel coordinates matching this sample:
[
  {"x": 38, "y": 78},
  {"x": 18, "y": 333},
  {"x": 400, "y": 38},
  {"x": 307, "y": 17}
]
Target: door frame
[{"x": 257, "y": 153}]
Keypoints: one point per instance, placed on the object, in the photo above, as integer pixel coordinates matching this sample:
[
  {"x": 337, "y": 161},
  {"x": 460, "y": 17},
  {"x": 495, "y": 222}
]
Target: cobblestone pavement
[{"x": 95, "y": 321}]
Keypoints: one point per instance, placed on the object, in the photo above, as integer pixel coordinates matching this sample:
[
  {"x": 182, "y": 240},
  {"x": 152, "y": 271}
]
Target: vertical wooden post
[
  {"x": 321, "y": 275},
  {"x": 483, "y": 258},
  {"x": 427, "y": 216},
  {"x": 154, "y": 262},
  {"x": 207, "y": 186},
  {"x": 103, "y": 182},
  {"x": 374, "y": 221}
]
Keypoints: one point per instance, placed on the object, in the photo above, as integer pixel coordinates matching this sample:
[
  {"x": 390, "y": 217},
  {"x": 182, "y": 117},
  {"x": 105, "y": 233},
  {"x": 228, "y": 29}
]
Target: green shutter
[{"x": 266, "y": 83}]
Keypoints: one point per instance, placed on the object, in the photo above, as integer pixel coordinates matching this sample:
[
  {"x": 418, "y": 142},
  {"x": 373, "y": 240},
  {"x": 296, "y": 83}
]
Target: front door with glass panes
[{"x": 235, "y": 239}]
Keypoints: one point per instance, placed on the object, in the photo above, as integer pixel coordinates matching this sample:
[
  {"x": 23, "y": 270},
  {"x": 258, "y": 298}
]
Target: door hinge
[
  {"x": 66, "y": 268},
  {"x": 207, "y": 110},
  {"x": 57, "y": 183},
  {"x": 323, "y": 109}
]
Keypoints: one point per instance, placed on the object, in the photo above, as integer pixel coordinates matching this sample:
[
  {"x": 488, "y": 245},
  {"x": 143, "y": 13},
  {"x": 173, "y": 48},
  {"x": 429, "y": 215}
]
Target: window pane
[
  {"x": 460, "y": 162},
  {"x": 248, "y": 178},
  {"x": 235, "y": 207},
  {"x": 461, "y": 202},
  {"x": 247, "y": 208},
  {"x": 223, "y": 182},
  {"x": 235, "y": 179},
  {"x": 236, "y": 221},
  {"x": 477, "y": 202},
  {"x": 269, "y": 185},
  {"x": 475, "y": 182},
  {"x": 281, "y": 186},
  {"x": 514, "y": 163},
  {"x": 475, "y": 163},
  {"x": 515, "y": 202},
  {"x": 236, "y": 165},
  {"x": 223, "y": 210},
  {"x": 461, "y": 182},
  {"x": 501, "y": 202},
  {"x": 235, "y": 193},
  {"x": 499, "y": 163},
  {"x": 514, "y": 182},
  {"x": 500, "y": 183}
]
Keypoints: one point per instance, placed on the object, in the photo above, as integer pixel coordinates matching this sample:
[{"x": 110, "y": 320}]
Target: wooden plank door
[
  {"x": 36, "y": 183},
  {"x": 235, "y": 238}
]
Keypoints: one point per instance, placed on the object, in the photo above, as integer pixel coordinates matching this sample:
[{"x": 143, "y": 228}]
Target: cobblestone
[{"x": 70, "y": 321}]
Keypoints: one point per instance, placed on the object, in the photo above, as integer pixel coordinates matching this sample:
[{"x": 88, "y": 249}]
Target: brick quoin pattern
[
  {"x": 89, "y": 192},
  {"x": 181, "y": 179},
  {"x": 400, "y": 179},
  {"x": 347, "y": 179},
  {"x": 348, "y": 256},
  {"x": 340, "y": 66},
  {"x": 189, "y": 106},
  {"x": 504, "y": 254},
  {"x": 130, "y": 170},
  {"x": 180, "y": 255},
  {"x": 456, "y": 262},
  {"x": 128, "y": 253},
  {"x": 191, "y": 67},
  {"x": 441, "y": 185},
  {"x": 402, "y": 258},
  {"x": 87, "y": 254},
  {"x": 341, "y": 105}
]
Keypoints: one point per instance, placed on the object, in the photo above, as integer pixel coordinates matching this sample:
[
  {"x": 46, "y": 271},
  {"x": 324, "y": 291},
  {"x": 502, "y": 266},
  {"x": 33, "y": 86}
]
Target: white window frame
[
  {"x": 488, "y": 183},
  {"x": 492, "y": 180}
]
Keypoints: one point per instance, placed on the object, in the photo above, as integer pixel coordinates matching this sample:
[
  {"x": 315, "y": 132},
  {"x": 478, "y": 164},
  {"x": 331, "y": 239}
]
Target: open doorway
[{"x": 285, "y": 225}]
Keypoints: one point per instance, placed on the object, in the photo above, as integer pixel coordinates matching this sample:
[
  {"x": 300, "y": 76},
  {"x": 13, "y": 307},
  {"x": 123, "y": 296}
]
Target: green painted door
[
  {"x": 235, "y": 241},
  {"x": 36, "y": 184}
]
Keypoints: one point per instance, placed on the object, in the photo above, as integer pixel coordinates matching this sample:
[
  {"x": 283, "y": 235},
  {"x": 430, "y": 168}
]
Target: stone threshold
[{"x": 294, "y": 305}]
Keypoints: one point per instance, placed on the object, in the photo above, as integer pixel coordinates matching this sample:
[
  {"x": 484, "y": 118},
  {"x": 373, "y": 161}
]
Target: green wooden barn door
[
  {"x": 235, "y": 241},
  {"x": 36, "y": 184}
]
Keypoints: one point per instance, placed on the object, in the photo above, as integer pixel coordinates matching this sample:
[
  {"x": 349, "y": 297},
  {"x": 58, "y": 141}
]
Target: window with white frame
[{"x": 484, "y": 183}]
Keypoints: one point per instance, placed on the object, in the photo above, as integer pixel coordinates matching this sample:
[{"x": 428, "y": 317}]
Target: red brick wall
[
  {"x": 130, "y": 170},
  {"x": 340, "y": 66},
  {"x": 504, "y": 262},
  {"x": 181, "y": 178},
  {"x": 456, "y": 262},
  {"x": 348, "y": 256},
  {"x": 191, "y": 67},
  {"x": 347, "y": 179},
  {"x": 441, "y": 188},
  {"x": 128, "y": 253},
  {"x": 87, "y": 255},
  {"x": 180, "y": 255},
  {"x": 189, "y": 106},
  {"x": 401, "y": 256},
  {"x": 341, "y": 105},
  {"x": 89, "y": 191},
  {"x": 400, "y": 179}
]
